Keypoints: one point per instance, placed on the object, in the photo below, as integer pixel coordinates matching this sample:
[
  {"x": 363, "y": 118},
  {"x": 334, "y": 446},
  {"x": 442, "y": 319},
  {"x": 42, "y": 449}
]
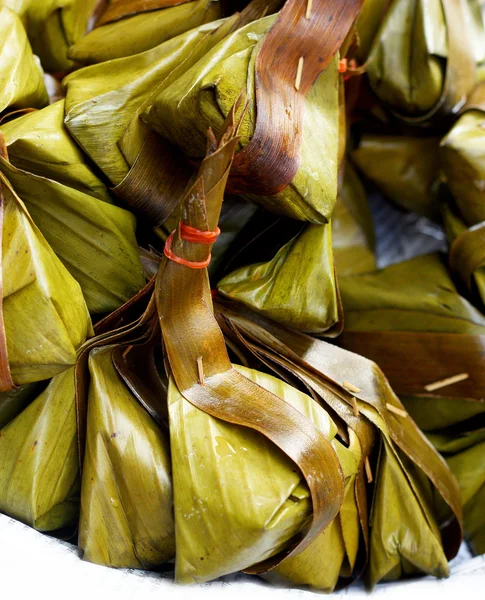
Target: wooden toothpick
[
  {"x": 431, "y": 387},
  {"x": 354, "y": 406},
  {"x": 396, "y": 411},
  {"x": 309, "y": 8},
  {"x": 350, "y": 387},
  {"x": 299, "y": 73},
  {"x": 200, "y": 370},
  {"x": 368, "y": 470}
]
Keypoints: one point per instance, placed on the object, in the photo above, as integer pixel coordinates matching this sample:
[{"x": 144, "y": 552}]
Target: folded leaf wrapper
[
  {"x": 417, "y": 540},
  {"x": 14, "y": 401},
  {"x": 203, "y": 96},
  {"x": 46, "y": 318},
  {"x": 353, "y": 235},
  {"x": 91, "y": 104},
  {"x": 296, "y": 288},
  {"x": 39, "y": 471},
  {"x": 405, "y": 169},
  {"x": 95, "y": 240},
  {"x": 468, "y": 469},
  {"x": 126, "y": 499},
  {"x": 333, "y": 554},
  {"x": 39, "y": 143},
  {"x": 21, "y": 83},
  {"x": 415, "y": 295},
  {"x": 52, "y": 26},
  {"x": 463, "y": 159},
  {"x": 221, "y": 476},
  {"x": 424, "y": 55},
  {"x": 140, "y": 32}
]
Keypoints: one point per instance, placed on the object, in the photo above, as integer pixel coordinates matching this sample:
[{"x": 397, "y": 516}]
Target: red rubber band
[
  {"x": 197, "y": 236},
  {"x": 183, "y": 261}
]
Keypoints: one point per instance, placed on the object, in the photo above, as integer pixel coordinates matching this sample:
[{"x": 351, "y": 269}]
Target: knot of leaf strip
[{"x": 196, "y": 236}]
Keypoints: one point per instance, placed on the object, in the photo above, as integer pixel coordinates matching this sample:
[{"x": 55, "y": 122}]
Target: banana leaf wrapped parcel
[
  {"x": 401, "y": 541},
  {"x": 132, "y": 81},
  {"x": 22, "y": 85},
  {"x": 39, "y": 471},
  {"x": 297, "y": 287},
  {"x": 424, "y": 56},
  {"x": 52, "y": 26},
  {"x": 94, "y": 239},
  {"x": 44, "y": 312},
  {"x": 405, "y": 169},
  {"x": 203, "y": 96},
  {"x": 137, "y": 32},
  {"x": 126, "y": 499},
  {"x": 463, "y": 163},
  {"x": 38, "y": 142}
]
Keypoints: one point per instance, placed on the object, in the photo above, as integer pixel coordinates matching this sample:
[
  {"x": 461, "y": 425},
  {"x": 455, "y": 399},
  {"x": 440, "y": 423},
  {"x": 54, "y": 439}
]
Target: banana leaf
[
  {"x": 415, "y": 295},
  {"x": 222, "y": 469},
  {"x": 405, "y": 169},
  {"x": 94, "y": 240},
  {"x": 46, "y": 318},
  {"x": 403, "y": 539},
  {"x": 424, "y": 55},
  {"x": 39, "y": 471},
  {"x": 126, "y": 495},
  {"x": 12, "y": 403},
  {"x": 207, "y": 384},
  {"x": 202, "y": 97},
  {"x": 463, "y": 159},
  {"x": 90, "y": 103},
  {"x": 21, "y": 83},
  {"x": 140, "y": 32},
  {"x": 368, "y": 24},
  {"x": 333, "y": 554},
  {"x": 52, "y": 26},
  {"x": 297, "y": 287},
  {"x": 468, "y": 469},
  {"x": 38, "y": 142},
  {"x": 470, "y": 265},
  {"x": 353, "y": 236}
]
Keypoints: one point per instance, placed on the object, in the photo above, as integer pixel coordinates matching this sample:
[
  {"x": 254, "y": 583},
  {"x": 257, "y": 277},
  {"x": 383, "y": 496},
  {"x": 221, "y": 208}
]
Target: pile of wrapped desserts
[{"x": 202, "y": 368}]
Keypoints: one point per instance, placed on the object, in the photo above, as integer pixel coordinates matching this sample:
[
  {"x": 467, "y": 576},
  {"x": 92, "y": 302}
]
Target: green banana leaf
[
  {"x": 468, "y": 469},
  {"x": 368, "y": 24},
  {"x": 126, "y": 494},
  {"x": 141, "y": 32},
  {"x": 203, "y": 96},
  {"x": 405, "y": 536},
  {"x": 405, "y": 169},
  {"x": 408, "y": 59},
  {"x": 21, "y": 83},
  {"x": 455, "y": 226},
  {"x": 353, "y": 236},
  {"x": 94, "y": 240},
  {"x": 296, "y": 288},
  {"x": 463, "y": 160},
  {"x": 415, "y": 295},
  {"x": 333, "y": 554},
  {"x": 46, "y": 318},
  {"x": 52, "y": 26},
  {"x": 39, "y": 481},
  {"x": 91, "y": 103},
  {"x": 220, "y": 477},
  {"x": 39, "y": 143},
  {"x": 12, "y": 403},
  {"x": 403, "y": 503}
]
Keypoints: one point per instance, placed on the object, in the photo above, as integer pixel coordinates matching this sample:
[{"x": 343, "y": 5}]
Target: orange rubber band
[
  {"x": 342, "y": 65},
  {"x": 183, "y": 261},
  {"x": 197, "y": 236}
]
